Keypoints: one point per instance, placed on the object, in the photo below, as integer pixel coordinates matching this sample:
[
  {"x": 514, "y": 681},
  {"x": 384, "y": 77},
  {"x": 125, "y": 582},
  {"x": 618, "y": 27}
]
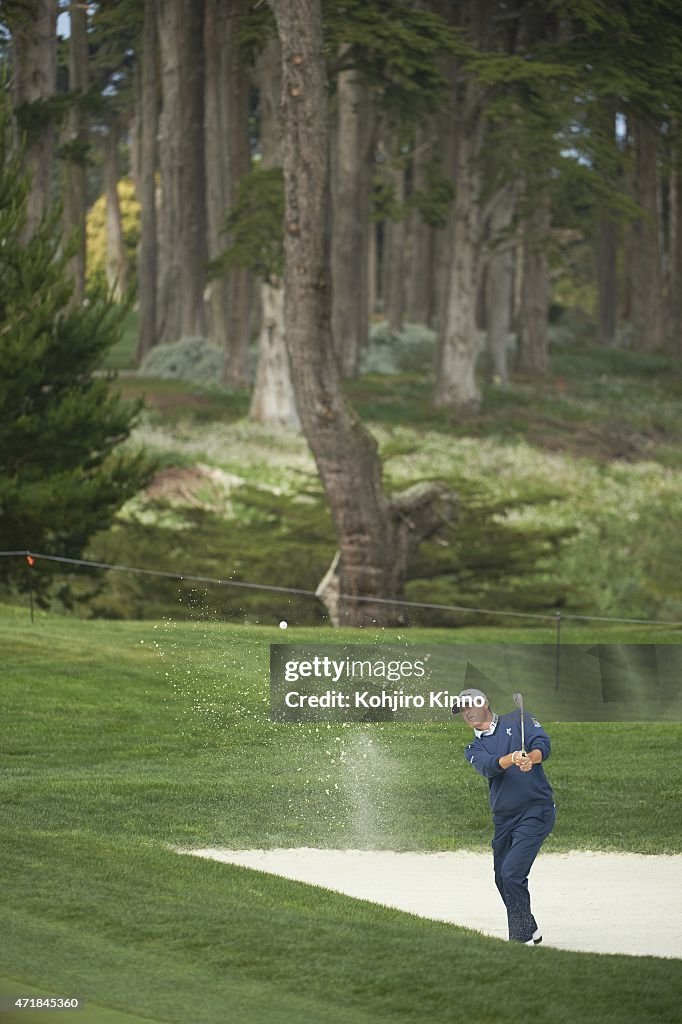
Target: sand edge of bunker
[{"x": 585, "y": 901}]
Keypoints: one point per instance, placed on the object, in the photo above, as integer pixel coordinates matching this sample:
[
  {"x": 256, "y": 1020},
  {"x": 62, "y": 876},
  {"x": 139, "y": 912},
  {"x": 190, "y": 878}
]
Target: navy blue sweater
[{"x": 512, "y": 790}]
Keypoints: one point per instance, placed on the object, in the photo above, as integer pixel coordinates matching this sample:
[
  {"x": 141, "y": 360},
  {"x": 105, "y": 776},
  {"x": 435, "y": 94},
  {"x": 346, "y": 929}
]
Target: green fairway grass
[
  {"x": 120, "y": 740},
  {"x": 182, "y": 939},
  {"x": 162, "y": 731},
  {"x": 94, "y": 1014}
]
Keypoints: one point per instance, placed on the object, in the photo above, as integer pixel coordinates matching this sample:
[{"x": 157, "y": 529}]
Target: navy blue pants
[{"x": 516, "y": 844}]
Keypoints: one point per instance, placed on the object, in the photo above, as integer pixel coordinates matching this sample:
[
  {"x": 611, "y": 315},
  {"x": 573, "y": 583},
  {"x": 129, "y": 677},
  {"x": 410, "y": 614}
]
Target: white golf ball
[{"x": 283, "y": 624}]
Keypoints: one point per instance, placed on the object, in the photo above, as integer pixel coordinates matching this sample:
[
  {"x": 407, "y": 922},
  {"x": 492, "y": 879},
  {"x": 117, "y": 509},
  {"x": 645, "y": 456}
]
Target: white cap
[{"x": 472, "y": 692}]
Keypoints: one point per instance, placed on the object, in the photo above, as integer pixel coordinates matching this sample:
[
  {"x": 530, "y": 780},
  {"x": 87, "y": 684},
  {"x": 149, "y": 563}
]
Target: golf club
[{"x": 518, "y": 700}]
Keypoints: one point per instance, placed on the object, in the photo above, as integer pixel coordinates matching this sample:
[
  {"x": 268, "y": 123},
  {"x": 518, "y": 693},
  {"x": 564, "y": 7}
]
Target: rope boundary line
[{"x": 554, "y": 617}]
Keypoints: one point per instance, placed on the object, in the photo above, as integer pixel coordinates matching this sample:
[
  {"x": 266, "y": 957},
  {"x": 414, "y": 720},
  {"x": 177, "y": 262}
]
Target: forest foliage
[{"x": 501, "y": 193}]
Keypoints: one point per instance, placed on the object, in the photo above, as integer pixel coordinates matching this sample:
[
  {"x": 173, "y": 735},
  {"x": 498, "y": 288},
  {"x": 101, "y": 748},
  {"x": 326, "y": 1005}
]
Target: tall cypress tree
[{"x": 62, "y": 473}]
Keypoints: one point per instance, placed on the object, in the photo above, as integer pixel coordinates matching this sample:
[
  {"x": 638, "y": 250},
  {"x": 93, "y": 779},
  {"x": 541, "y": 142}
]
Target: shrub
[
  {"x": 406, "y": 351},
  {"x": 195, "y": 360}
]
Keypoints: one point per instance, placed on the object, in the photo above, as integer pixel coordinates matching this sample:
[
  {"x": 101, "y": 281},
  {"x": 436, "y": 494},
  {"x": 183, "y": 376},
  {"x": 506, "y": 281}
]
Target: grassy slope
[
  {"x": 181, "y": 939},
  {"x": 95, "y": 1013},
  {"x": 107, "y": 760},
  {"x": 163, "y": 733}
]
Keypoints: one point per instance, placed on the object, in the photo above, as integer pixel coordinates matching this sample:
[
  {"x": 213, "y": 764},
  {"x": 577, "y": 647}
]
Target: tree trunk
[
  {"x": 460, "y": 341},
  {"x": 135, "y": 128},
  {"x": 375, "y": 536},
  {"x": 446, "y": 133},
  {"x": 228, "y": 159},
  {"x": 604, "y": 124},
  {"x": 393, "y": 255},
  {"x": 372, "y": 269},
  {"x": 351, "y": 191},
  {"x": 533, "y": 340},
  {"x": 676, "y": 256},
  {"x": 645, "y": 258},
  {"x": 606, "y": 279},
  {"x": 147, "y": 258},
  {"x": 499, "y": 295},
  {"x": 34, "y": 80},
  {"x": 273, "y": 400},
  {"x": 419, "y": 246},
  {"x": 182, "y": 252},
  {"x": 666, "y": 196},
  {"x": 75, "y": 191},
  {"x": 116, "y": 262}
]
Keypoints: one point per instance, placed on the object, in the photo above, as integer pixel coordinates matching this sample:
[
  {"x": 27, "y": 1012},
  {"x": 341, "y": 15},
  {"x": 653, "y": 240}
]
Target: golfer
[{"x": 521, "y": 799}]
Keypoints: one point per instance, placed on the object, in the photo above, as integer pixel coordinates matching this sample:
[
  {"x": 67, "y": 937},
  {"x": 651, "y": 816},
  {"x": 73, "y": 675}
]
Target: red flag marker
[{"x": 30, "y": 559}]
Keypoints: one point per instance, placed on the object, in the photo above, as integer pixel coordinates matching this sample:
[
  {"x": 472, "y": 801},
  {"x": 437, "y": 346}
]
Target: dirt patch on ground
[
  {"x": 198, "y": 486},
  {"x": 600, "y": 441}
]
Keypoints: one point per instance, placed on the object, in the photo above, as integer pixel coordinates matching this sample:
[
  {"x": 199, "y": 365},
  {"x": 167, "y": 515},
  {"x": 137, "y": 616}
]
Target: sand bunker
[{"x": 591, "y": 902}]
